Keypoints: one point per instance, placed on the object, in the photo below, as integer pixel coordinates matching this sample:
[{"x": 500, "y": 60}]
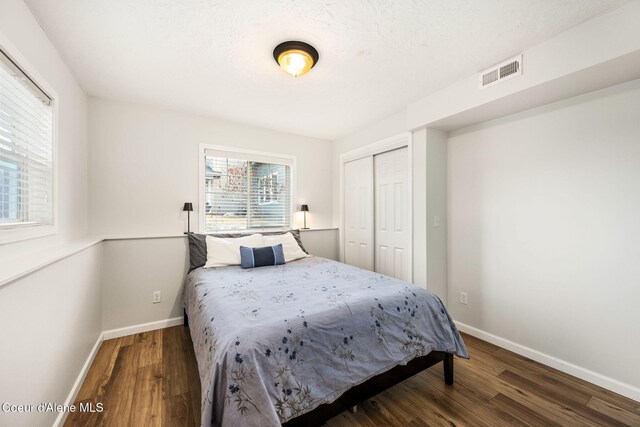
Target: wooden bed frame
[{"x": 358, "y": 394}]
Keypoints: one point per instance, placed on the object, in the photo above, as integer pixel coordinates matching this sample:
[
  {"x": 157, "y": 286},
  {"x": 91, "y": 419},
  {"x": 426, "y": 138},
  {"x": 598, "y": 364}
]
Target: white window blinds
[
  {"x": 245, "y": 192},
  {"x": 26, "y": 149}
]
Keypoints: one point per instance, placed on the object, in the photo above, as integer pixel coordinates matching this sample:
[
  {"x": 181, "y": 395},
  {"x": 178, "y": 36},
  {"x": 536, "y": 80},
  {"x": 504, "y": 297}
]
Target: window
[
  {"x": 245, "y": 191},
  {"x": 26, "y": 151}
]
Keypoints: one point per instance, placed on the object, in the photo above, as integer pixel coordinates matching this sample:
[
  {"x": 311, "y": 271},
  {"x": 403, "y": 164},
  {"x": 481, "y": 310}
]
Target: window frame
[
  {"x": 201, "y": 210},
  {"x": 18, "y": 232}
]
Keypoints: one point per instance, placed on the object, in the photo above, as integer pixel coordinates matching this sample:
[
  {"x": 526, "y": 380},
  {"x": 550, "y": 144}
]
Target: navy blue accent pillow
[{"x": 261, "y": 257}]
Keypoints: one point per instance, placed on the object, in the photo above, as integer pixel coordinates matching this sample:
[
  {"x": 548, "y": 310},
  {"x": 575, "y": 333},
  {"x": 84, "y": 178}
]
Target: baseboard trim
[
  {"x": 603, "y": 381},
  {"x": 62, "y": 416},
  {"x": 143, "y": 327}
]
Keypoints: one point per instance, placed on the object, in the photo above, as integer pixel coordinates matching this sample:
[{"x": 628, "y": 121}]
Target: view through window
[{"x": 244, "y": 193}]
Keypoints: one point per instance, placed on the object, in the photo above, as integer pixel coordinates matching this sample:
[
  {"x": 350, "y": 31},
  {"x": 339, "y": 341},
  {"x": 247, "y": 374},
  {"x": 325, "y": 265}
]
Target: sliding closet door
[
  {"x": 358, "y": 213},
  {"x": 392, "y": 216}
]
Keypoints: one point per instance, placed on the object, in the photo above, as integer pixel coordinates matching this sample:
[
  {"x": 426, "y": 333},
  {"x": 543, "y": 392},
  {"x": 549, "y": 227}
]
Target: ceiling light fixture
[{"x": 296, "y": 58}]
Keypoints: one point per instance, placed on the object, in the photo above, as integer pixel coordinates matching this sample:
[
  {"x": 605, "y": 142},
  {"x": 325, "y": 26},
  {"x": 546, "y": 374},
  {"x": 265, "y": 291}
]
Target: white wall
[
  {"x": 436, "y": 206},
  {"x": 49, "y": 323},
  {"x": 51, "y": 319},
  {"x": 133, "y": 270},
  {"x": 544, "y": 232},
  {"x": 322, "y": 243},
  {"x": 419, "y": 199},
  {"x": 144, "y": 166}
]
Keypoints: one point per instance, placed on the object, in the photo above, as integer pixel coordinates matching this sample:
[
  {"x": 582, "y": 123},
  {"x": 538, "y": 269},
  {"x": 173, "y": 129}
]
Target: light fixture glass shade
[
  {"x": 295, "y": 57},
  {"x": 295, "y": 62}
]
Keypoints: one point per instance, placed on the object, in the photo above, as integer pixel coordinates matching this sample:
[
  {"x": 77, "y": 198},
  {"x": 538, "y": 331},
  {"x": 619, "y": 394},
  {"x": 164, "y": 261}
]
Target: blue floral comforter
[{"x": 275, "y": 342}]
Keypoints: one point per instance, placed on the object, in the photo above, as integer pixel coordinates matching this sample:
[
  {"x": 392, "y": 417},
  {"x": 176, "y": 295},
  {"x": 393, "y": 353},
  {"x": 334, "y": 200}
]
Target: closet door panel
[
  {"x": 358, "y": 214},
  {"x": 392, "y": 214}
]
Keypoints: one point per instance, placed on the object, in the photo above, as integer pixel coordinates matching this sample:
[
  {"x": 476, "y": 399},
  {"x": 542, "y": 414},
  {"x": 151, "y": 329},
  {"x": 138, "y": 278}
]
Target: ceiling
[{"x": 214, "y": 58}]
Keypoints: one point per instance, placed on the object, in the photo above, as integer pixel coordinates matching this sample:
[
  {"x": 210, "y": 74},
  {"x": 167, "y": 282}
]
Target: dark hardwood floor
[{"x": 151, "y": 379}]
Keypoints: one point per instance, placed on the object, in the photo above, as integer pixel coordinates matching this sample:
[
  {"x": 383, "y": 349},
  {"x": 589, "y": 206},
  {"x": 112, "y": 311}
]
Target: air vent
[{"x": 503, "y": 71}]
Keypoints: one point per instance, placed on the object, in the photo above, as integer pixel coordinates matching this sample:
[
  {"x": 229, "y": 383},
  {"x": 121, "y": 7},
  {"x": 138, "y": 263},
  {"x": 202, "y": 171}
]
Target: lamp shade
[
  {"x": 188, "y": 207},
  {"x": 304, "y": 208}
]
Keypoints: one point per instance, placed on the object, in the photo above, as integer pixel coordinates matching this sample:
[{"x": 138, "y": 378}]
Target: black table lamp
[
  {"x": 305, "y": 209},
  {"x": 188, "y": 208}
]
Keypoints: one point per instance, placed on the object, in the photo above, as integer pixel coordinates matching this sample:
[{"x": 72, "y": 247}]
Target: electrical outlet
[
  {"x": 463, "y": 298},
  {"x": 156, "y": 297}
]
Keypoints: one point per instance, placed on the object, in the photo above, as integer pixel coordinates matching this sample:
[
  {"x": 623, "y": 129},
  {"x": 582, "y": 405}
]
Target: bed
[{"x": 300, "y": 342}]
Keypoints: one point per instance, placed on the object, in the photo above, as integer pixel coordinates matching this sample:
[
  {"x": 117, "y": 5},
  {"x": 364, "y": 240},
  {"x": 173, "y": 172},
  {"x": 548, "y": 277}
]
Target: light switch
[{"x": 436, "y": 221}]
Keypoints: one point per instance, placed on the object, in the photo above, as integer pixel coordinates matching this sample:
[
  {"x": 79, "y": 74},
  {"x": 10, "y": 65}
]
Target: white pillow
[
  {"x": 226, "y": 251},
  {"x": 292, "y": 250}
]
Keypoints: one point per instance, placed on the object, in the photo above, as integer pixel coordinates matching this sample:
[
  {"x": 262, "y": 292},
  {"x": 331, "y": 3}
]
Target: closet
[{"x": 377, "y": 212}]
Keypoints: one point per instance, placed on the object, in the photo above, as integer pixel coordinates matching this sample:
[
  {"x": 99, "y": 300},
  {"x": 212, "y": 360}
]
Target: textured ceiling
[{"x": 215, "y": 57}]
